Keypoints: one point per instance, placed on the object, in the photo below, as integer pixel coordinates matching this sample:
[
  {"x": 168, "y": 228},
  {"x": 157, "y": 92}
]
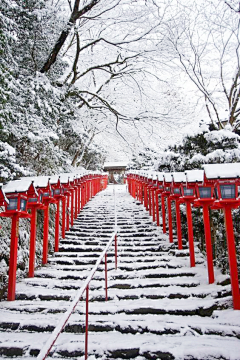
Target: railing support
[
  {"x": 86, "y": 324},
  {"x": 116, "y": 255},
  {"x": 106, "y": 285}
]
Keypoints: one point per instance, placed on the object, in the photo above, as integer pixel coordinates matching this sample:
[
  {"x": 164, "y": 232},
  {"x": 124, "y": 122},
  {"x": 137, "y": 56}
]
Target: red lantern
[{"x": 225, "y": 178}]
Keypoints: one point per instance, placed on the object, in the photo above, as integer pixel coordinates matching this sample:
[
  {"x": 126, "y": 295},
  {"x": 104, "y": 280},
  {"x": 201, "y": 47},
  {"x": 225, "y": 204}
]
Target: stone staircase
[{"x": 158, "y": 307}]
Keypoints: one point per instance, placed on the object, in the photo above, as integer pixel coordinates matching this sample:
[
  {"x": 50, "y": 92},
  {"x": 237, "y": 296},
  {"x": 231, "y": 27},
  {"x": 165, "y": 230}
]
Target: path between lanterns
[{"x": 158, "y": 307}]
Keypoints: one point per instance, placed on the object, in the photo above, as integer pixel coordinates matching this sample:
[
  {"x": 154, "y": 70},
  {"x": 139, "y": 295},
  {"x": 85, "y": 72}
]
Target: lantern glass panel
[
  {"x": 167, "y": 188},
  {"x": 176, "y": 191},
  {"x": 160, "y": 187},
  {"x": 57, "y": 192},
  {"x": 228, "y": 191},
  {"x": 23, "y": 204},
  {"x": 32, "y": 200},
  {"x": 46, "y": 194},
  {"x": 188, "y": 192},
  {"x": 205, "y": 192},
  {"x": 13, "y": 203}
]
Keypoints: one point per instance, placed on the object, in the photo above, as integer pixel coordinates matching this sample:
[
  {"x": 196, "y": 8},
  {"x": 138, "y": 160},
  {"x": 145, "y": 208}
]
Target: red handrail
[{"x": 58, "y": 329}]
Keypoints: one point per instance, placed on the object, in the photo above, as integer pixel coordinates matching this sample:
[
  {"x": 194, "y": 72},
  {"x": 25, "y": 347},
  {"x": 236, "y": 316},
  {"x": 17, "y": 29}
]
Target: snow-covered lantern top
[
  {"x": 178, "y": 178},
  {"x": 154, "y": 179},
  {"x": 42, "y": 184},
  {"x": 150, "y": 177},
  {"x": 160, "y": 181},
  {"x": 57, "y": 188},
  {"x": 225, "y": 178},
  {"x": 34, "y": 196},
  {"x": 193, "y": 178},
  {"x": 16, "y": 194},
  {"x": 167, "y": 183},
  {"x": 66, "y": 181}
]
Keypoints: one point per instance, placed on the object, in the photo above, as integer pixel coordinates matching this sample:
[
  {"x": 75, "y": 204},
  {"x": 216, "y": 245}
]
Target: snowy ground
[{"x": 158, "y": 307}]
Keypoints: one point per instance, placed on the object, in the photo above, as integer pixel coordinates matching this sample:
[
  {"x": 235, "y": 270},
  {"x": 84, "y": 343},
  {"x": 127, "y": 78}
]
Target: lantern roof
[
  {"x": 150, "y": 174},
  {"x": 18, "y": 186},
  {"x": 168, "y": 177},
  {"x": 54, "y": 179},
  {"x": 40, "y": 181},
  {"x": 222, "y": 171},
  {"x": 179, "y": 177},
  {"x": 194, "y": 176},
  {"x": 64, "y": 178},
  {"x": 160, "y": 176}
]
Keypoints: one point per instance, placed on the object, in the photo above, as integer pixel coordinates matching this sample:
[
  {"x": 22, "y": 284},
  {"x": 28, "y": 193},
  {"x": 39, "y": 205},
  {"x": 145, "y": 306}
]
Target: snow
[
  {"x": 115, "y": 164},
  {"x": 64, "y": 178},
  {"x": 39, "y": 181},
  {"x": 17, "y": 186},
  {"x": 160, "y": 176},
  {"x": 222, "y": 171},
  {"x": 179, "y": 177},
  {"x": 168, "y": 177},
  {"x": 148, "y": 271},
  {"x": 194, "y": 175}
]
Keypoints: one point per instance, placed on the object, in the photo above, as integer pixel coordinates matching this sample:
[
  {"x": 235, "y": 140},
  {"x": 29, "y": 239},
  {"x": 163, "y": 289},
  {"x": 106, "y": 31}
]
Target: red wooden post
[
  {"x": 63, "y": 216},
  {"x": 232, "y": 257},
  {"x": 170, "y": 230},
  {"x": 150, "y": 200},
  {"x": 163, "y": 214},
  {"x": 153, "y": 205},
  {"x": 178, "y": 221},
  {"x": 86, "y": 325},
  {"x": 157, "y": 209},
  {"x": 68, "y": 213},
  {"x": 190, "y": 234},
  {"x": 32, "y": 245},
  {"x": 13, "y": 259},
  {"x": 57, "y": 218},
  {"x": 45, "y": 234},
  {"x": 116, "y": 252},
  {"x": 72, "y": 206},
  {"x": 79, "y": 198},
  {"x": 208, "y": 241},
  {"x": 106, "y": 286},
  {"x": 76, "y": 201},
  {"x": 145, "y": 196}
]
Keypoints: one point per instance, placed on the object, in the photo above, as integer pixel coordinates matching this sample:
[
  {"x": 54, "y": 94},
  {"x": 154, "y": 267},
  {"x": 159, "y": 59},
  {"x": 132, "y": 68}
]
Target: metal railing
[{"x": 85, "y": 287}]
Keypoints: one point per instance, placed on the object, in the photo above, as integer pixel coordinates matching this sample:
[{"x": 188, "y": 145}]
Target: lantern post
[
  {"x": 160, "y": 189},
  {"x": 178, "y": 179},
  {"x": 34, "y": 203},
  {"x": 166, "y": 193},
  {"x": 43, "y": 184},
  {"x": 226, "y": 183},
  {"x": 13, "y": 197},
  {"x": 58, "y": 194},
  {"x": 188, "y": 196}
]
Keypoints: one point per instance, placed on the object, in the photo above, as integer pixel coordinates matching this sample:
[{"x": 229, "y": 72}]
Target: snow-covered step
[{"x": 158, "y": 306}]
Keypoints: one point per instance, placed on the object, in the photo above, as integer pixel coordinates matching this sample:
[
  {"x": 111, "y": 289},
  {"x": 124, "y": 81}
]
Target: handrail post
[
  {"x": 115, "y": 215},
  {"x": 86, "y": 324},
  {"x": 106, "y": 287},
  {"x": 116, "y": 252}
]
